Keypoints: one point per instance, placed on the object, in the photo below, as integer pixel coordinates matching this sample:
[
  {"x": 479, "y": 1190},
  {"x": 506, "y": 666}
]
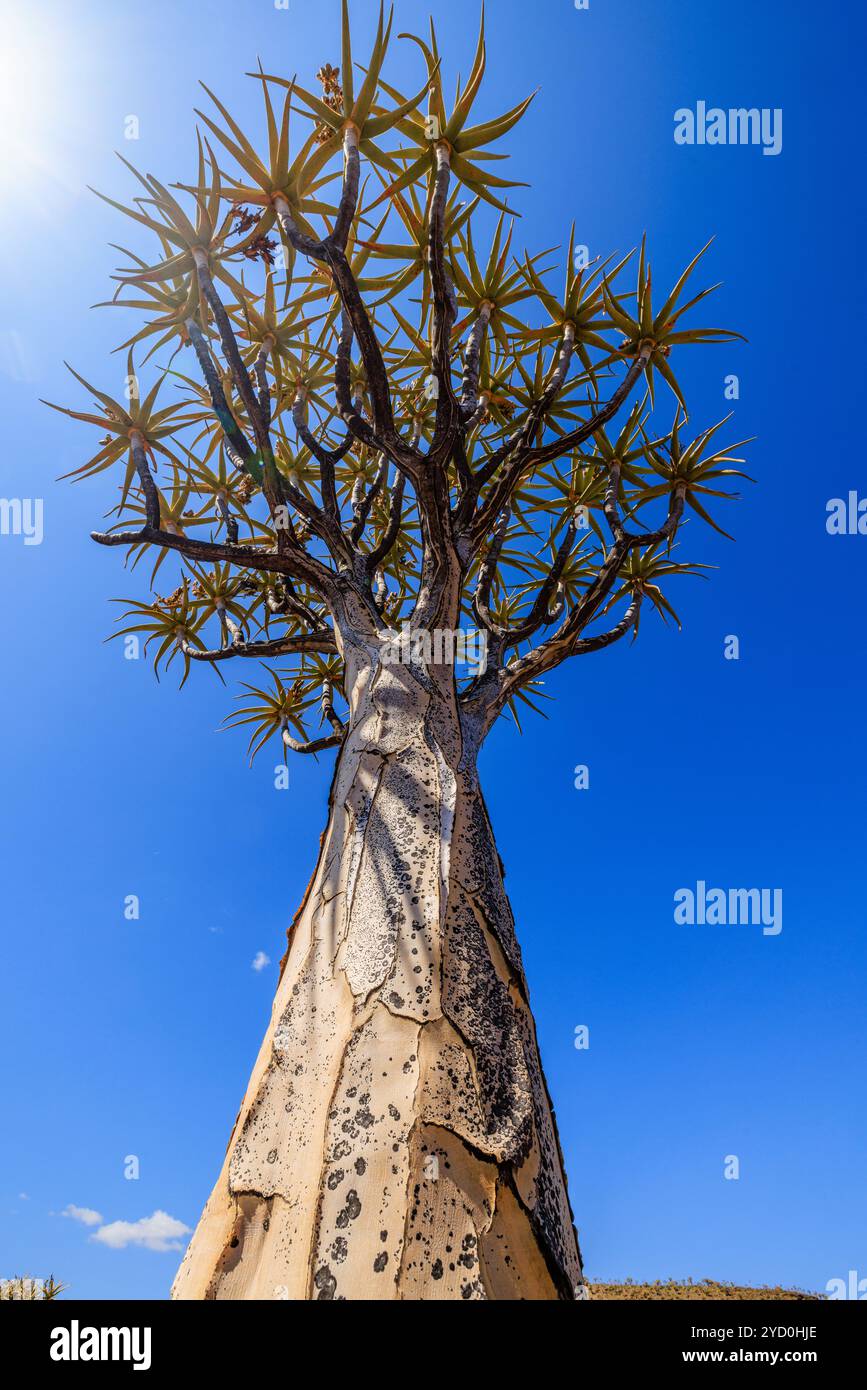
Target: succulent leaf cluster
[{"x": 350, "y": 368}]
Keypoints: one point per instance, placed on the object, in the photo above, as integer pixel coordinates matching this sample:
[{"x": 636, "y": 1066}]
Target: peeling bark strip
[{"x": 397, "y": 1139}]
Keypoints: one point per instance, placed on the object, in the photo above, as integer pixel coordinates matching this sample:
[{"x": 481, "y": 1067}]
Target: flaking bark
[{"x": 396, "y": 1140}]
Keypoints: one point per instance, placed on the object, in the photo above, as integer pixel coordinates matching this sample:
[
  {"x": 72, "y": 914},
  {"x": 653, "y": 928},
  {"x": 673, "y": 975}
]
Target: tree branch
[
  {"x": 316, "y": 745},
  {"x": 392, "y": 530},
  {"x": 311, "y": 642},
  {"x": 519, "y": 456},
  {"x": 145, "y": 477},
  {"x": 541, "y": 610},
  {"x": 297, "y": 563},
  {"x": 473, "y": 362},
  {"x": 498, "y": 687},
  {"x": 448, "y": 414},
  {"x": 236, "y": 441}
]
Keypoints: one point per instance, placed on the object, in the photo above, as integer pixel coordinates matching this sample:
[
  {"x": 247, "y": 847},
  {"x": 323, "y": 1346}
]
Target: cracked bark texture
[{"x": 396, "y": 1140}]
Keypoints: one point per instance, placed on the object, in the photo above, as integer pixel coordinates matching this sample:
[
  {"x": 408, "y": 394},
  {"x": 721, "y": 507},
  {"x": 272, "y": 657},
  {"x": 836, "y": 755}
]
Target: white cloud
[
  {"x": 86, "y": 1215},
  {"x": 260, "y": 960},
  {"x": 159, "y": 1232},
  {"x": 23, "y": 1197}
]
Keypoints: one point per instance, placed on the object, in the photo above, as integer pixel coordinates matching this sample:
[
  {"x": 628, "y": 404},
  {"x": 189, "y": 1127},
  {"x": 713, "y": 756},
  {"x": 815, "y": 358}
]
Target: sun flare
[{"x": 31, "y": 101}]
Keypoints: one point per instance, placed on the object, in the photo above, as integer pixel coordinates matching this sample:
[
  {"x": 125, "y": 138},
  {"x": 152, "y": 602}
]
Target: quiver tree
[{"x": 380, "y": 435}]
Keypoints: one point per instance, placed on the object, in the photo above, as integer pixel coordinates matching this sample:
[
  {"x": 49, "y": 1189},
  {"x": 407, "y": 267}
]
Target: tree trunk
[{"x": 396, "y": 1140}]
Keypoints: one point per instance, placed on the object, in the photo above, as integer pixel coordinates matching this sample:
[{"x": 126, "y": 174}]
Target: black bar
[{"x": 252, "y": 1340}]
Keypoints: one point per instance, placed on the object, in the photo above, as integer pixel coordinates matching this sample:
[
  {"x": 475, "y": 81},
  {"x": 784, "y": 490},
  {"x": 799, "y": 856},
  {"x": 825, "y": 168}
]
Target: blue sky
[{"x": 136, "y": 1038}]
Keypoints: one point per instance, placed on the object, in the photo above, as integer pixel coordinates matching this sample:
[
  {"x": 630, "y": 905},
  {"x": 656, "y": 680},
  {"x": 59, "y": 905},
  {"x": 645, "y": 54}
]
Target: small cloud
[
  {"x": 260, "y": 960},
  {"x": 159, "y": 1232},
  {"x": 86, "y": 1215},
  {"x": 23, "y": 1197}
]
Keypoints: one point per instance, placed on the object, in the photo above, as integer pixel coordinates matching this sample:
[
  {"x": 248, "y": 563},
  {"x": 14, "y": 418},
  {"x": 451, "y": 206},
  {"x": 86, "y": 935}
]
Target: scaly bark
[{"x": 396, "y": 1140}]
